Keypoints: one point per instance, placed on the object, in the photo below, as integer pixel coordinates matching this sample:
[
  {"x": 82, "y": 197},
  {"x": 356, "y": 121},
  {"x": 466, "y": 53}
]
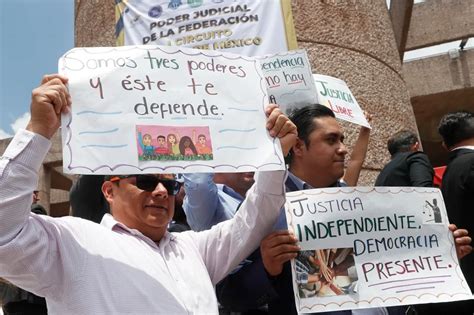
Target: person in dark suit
[
  {"x": 315, "y": 161},
  {"x": 408, "y": 166},
  {"x": 457, "y": 131}
]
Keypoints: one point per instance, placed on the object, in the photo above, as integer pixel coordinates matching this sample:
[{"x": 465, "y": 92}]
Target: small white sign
[
  {"x": 289, "y": 80},
  {"x": 335, "y": 94}
]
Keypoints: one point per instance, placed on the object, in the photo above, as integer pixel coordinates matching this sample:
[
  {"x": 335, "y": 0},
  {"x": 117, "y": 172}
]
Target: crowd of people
[{"x": 116, "y": 254}]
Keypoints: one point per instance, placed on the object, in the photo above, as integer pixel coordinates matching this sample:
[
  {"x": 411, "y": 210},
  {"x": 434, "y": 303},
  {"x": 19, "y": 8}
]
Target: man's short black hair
[
  {"x": 456, "y": 127},
  {"x": 303, "y": 118},
  {"x": 401, "y": 141},
  {"x": 38, "y": 209}
]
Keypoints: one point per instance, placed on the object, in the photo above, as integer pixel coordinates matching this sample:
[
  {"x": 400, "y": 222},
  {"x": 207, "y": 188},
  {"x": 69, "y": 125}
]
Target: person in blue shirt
[{"x": 213, "y": 198}]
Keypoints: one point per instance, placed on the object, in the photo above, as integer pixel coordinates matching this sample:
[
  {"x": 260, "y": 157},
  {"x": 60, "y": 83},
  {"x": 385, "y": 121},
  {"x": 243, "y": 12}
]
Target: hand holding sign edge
[
  {"x": 462, "y": 241},
  {"x": 276, "y": 249},
  {"x": 48, "y": 101}
]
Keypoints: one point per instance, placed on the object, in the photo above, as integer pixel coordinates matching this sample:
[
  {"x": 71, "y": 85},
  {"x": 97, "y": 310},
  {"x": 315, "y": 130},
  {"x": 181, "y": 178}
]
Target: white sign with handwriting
[
  {"x": 289, "y": 79},
  {"x": 335, "y": 94},
  {"x": 370, "y": 247},
  {"x": 160, "y": 109}
]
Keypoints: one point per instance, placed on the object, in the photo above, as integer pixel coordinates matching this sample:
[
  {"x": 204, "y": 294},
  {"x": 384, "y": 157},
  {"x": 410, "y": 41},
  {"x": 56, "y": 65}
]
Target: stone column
[
  {"x": 354, "y": 40},
  {"x": 94, "y": 23}
]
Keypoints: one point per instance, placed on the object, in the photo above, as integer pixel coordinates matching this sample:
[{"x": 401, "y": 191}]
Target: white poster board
[
  {"x": 289, "y": 79},
  {"x": 370, "y": 247},
  {"x": 248, "y": 27},
  {"x": 153, "y": 109},
  {"x": 335, "y": 94}
]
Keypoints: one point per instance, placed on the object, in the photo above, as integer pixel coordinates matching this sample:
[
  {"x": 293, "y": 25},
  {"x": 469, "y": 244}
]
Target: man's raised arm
[
  {"x": 22, "y": 159},
  {"x": 48, "y": 101},
  {"x": 228, "y": 243},
  {"x": 201, "y": 201}
]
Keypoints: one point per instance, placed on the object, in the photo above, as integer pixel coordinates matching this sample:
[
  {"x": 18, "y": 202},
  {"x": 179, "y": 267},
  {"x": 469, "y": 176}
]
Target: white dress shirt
[{"x": 87, "y": 268}]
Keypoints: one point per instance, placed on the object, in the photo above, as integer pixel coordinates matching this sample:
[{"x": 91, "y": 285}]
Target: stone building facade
[{"x": 359, "y": 41}]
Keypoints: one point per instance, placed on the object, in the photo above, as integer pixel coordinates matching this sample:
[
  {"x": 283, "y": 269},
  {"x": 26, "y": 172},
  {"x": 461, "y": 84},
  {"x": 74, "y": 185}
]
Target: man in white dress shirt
[{"x": 129, "y": 263}]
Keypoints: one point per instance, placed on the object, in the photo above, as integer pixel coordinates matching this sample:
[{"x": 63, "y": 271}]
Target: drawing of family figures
[{"x": 173, "y": 147}]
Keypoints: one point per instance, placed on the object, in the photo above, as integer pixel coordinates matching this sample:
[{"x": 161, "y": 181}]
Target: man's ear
[
  {"x": 108, "y": 191},
  {"x": 298, "y": 147}
]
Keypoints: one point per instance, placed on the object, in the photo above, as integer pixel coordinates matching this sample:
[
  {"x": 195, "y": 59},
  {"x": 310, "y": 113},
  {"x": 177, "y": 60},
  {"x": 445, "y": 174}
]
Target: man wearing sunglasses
[
  {"x": 142, "y": 202},
  {"x": 129, "y": 263}
]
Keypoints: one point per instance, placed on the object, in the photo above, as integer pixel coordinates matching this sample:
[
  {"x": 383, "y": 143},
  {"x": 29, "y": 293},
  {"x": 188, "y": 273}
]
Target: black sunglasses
[{"x": 149, "y": 183}]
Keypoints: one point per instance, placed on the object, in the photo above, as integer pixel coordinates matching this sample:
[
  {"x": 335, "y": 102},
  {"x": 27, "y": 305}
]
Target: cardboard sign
[
  {"x": 370, "y": 247},
  {"x": 248, "y": 27},
  {"x": 335, "y": 94},
  {"x": 289, "y": 79},
  {"x": 152, "y": 109}
]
